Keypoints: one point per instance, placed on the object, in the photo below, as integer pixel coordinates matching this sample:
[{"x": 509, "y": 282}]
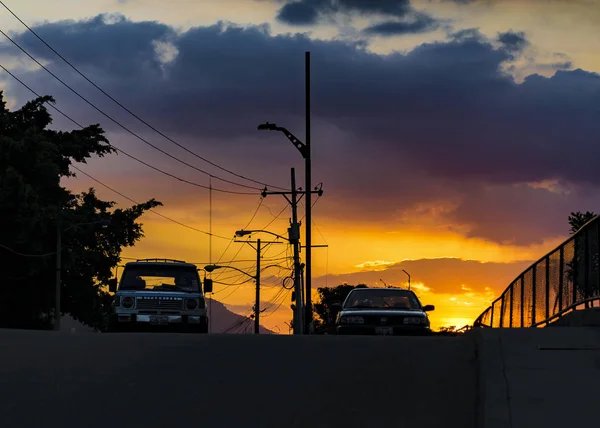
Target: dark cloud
[
  {"x": 513, "y": 42},
  {"x": 308, "y": 12},
  {"x": 298, "y": 13},
  {"x": 461, "y": 1},
  {"x": 389, "y": 131},
  {"x": 422, "y": 23}
]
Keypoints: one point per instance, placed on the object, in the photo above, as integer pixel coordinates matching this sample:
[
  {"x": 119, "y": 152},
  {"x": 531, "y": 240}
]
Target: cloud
[
  {"x": 513, "y": 42},
  {"x": 307, "y": 11},
  {"x": 439, "y": 276},
  {"x": 406, "y": 20},
  {"x": 298, "y": 13},
  {"x": 432, "y": 127},
  {"x": 420, "y": 24}
]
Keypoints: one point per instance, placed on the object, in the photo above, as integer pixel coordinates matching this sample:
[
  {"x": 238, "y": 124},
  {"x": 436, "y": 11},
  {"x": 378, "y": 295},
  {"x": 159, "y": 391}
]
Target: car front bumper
[{"x": 373, "y": 330}]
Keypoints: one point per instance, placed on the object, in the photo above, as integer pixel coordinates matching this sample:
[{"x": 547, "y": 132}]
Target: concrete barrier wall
[{"x": 545, "y": 377}]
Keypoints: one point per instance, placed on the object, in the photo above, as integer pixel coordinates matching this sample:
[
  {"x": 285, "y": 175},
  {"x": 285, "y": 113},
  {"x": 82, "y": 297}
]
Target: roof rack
[{"x": 161, "y": 260}]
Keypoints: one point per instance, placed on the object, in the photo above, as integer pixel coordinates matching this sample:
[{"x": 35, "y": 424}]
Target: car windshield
[
  {"x": 160, "y": 278},
  {"x": 382, "y": 298}
]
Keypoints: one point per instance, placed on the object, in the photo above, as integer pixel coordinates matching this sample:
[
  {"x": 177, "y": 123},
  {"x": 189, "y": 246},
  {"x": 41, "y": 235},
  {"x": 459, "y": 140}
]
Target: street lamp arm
[
  {"x": 242, "y": 232},
  {"x": 101, "y": 223},
  {"x": 295, "y": 140},
  {"x": 210, "y": 268}
]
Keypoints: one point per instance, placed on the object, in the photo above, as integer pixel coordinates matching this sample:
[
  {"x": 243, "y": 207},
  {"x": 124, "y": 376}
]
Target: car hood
[
  {"x": 158, "y": 294},
  {"x": 382, "y": 312}
]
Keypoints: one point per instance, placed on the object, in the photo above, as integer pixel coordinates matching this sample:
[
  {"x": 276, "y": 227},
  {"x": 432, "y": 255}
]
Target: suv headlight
[
  {"x": 191, "y": 304},
  {"x": 352, "y": 320},
  {"x": 127, "y": 302}
]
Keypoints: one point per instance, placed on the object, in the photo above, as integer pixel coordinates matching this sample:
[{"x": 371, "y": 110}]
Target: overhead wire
[
  {"x": 127, "y": 109},
  {"x": 150, "y": 210},
  {"x": 119, "y": 124},
  {"x": 183, "y": 180}
]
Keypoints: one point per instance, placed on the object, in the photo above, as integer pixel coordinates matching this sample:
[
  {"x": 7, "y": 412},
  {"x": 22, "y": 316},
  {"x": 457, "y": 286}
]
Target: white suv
[{"x": 159, "y": 294}]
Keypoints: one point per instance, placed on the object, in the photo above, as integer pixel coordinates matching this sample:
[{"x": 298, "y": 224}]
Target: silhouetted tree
[
  {"x": 33, "y": 159},
  {"x": 574, "y": 266},
  {"x": 577, "y": 219},
  {"x": 324, "y": 310}
]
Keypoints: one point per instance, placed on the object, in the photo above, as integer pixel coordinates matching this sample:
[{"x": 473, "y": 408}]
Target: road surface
[{"x": 58, "y": 380}]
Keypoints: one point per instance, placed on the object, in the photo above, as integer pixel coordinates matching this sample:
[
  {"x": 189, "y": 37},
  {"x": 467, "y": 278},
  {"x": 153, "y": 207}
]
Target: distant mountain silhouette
[{"x": 223, "y": 319}]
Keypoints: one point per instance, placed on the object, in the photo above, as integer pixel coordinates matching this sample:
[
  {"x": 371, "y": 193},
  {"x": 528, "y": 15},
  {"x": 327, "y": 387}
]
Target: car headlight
[
  {"x": 127, "y": 302},
  {"x": 191, "y": 304},
  {"x": 352, "y": 320},
  {"x": 414, "y": 320}
]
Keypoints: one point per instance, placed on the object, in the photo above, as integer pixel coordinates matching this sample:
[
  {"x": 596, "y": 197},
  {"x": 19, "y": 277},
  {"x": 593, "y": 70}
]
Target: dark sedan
[{"x": 383, "y": 311}]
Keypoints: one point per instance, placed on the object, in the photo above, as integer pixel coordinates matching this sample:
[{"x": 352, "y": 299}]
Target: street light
[
  {"x": 210, "y": 268},
  {"x": 242, "y": 232},
  {"x": 408, "y": 274},
  {"x": 103, "y": 224},
  {"x": 304, "y": 150}
]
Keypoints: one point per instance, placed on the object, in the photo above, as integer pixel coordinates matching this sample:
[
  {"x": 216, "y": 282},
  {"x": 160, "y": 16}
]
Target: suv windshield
[
  {"x": 160, "y": 278},
  {"x": 382, "y": 298}
]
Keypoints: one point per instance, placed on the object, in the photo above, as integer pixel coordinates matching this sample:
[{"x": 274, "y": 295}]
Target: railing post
[
  {"x": 547, "y": 287},
  {"x": 533, "y": 293},
  {"x": 502, "y": 310},
  {"x": 492, "y": 316},
  {"x": 522, "y": 281},
  {"x": 574, "y": 270},
  {"x": 586, "y": 269},
  {"x": 510, "y": 309},
  {"x": 561, "y": 274}
]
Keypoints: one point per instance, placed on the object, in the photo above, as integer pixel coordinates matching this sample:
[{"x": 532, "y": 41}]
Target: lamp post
[
  {"x": 57, "y": 287},
  {"x": 210, "y": 268},
  {"x": 304, "y": 150},
  {"x": 408, "y": 274}
]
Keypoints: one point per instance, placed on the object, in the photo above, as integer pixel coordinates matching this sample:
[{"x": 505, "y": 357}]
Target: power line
[
  {"x": 152, "y": 211},
  {"x": 125, "y": 108},
  {"x": 26, "y": 255},
  {"x": 118, "y": 149},
  {"x": 112, "y": 119}
]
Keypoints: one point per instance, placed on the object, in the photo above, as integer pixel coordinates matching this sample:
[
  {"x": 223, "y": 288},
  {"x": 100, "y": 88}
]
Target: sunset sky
[{"x": 452, "y": 137}]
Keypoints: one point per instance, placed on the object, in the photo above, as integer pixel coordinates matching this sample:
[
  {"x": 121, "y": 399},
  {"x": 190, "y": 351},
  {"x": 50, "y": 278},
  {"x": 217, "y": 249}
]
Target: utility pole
[
  {"x": 257, "y": 304},
  {"x": 294, "y": 232},
  {"x": 258, "y": 249},
  {"x": 294, "y": 239},
  {"x": 57, "y": 285},
  {"x": 308, "y": 327}
]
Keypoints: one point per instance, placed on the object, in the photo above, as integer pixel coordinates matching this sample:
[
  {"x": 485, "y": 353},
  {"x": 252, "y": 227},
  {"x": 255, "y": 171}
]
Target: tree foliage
[
  {"x": 575, "y": 267},
  {"x": 324, "y": 310},
  {"x": 33, "y": 160},
  {"x": 577, "y": 219}
]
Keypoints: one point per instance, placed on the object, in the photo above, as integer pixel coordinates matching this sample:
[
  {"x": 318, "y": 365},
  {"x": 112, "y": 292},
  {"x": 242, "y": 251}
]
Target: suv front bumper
[{"x": 124, "y": 321}]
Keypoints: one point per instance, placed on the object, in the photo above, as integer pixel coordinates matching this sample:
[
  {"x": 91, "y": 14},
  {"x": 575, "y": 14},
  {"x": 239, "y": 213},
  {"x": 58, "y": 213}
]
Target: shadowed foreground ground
[{"x": 57, "y": 380}]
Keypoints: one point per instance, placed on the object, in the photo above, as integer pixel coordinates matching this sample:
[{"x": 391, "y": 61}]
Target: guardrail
[{"x": 565, "y": 279}]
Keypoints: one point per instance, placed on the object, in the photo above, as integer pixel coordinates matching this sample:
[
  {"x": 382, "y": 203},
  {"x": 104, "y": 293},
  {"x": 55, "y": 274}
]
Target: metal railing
[{"x": 563, "y": 280}]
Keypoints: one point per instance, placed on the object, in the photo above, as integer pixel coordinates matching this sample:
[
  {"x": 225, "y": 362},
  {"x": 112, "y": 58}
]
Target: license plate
[
  {"x": 159, "y": 320},
  {"x": 384, "y": 330}
]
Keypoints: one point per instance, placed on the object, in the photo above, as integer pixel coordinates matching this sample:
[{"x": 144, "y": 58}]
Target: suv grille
[{"x": 159, "y": 304}]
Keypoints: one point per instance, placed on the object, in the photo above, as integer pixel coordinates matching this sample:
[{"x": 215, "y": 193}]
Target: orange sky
[{"x": 368, "y": 236}]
